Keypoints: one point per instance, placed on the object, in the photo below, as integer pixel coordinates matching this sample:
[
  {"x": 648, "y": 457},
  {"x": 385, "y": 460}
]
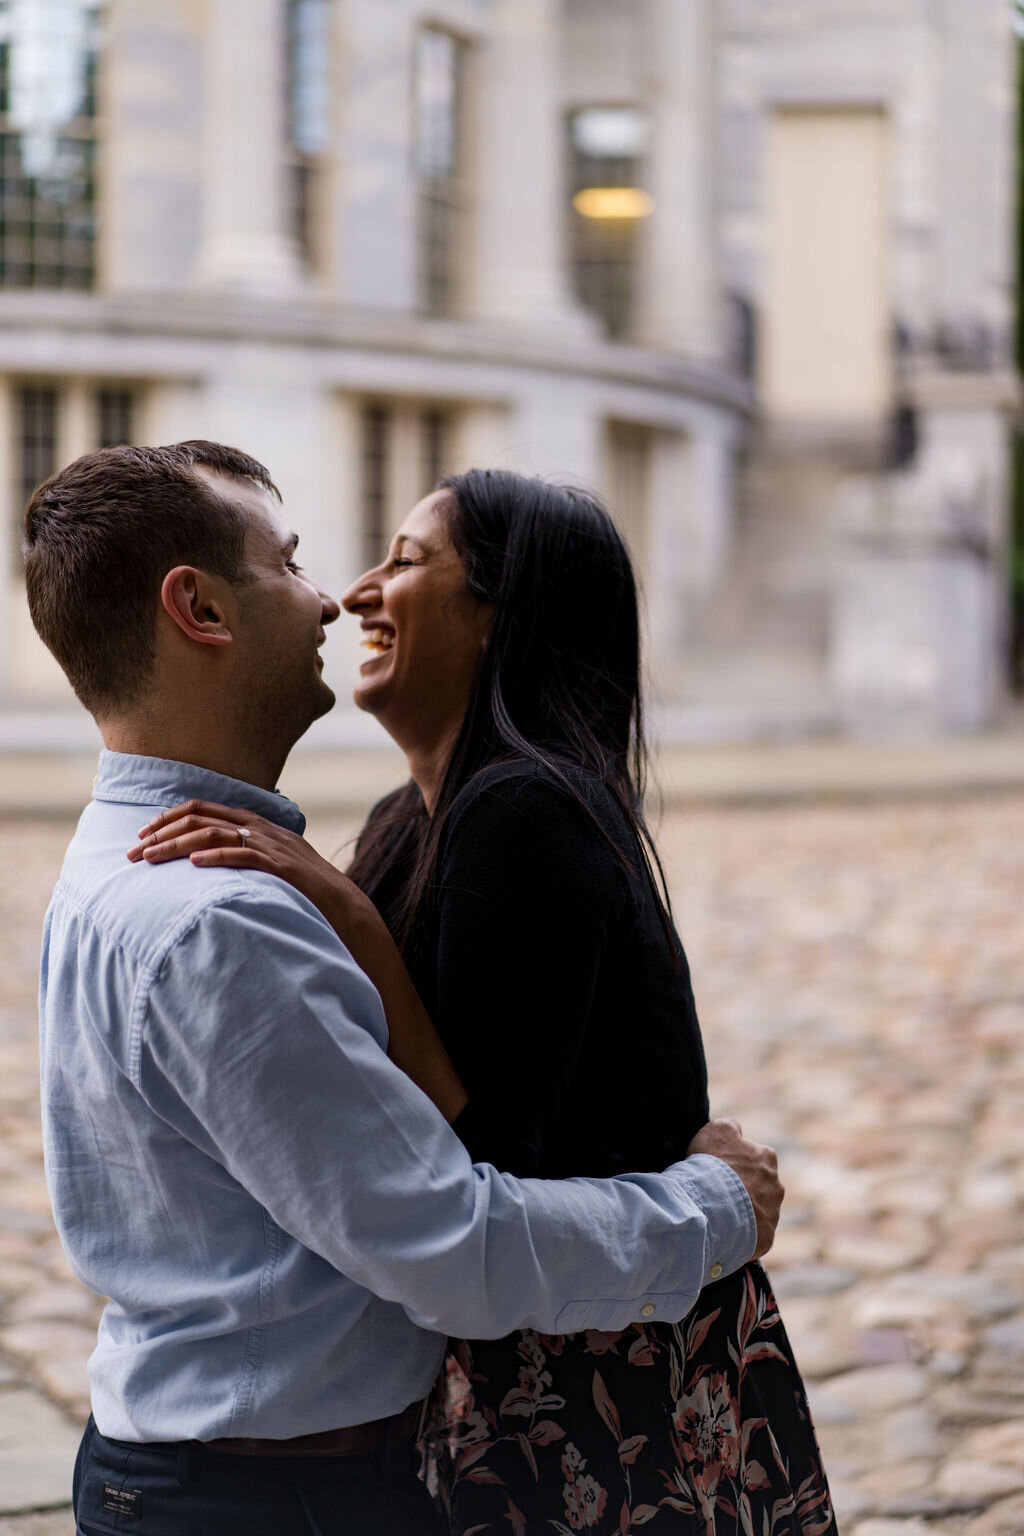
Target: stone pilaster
[
  {"x": 678, "y": 293},
  {"x": 373, "y": 193},
  {"x": 244, "y": 242},
  {"x": 521, "y": 272}
]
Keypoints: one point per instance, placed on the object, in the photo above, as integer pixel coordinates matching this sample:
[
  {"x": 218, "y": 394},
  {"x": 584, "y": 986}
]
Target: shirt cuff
[{"x": 731, "y": 1224}]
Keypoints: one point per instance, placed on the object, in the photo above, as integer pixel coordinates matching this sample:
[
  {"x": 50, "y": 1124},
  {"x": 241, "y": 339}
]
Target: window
[
  {"x": 36, "y": 427},
  {"x": 376, "y": 432},
  {"x": 308, "y": 78},
  {"x": 434, "y": 446},
  {"x": 115, "y": 412},
  {"x": 440, "y": 91},
  {"x": 406, "y": 448},
  {"x": 48, "y": 143},
  {"x": 606, "y": 148},
  {"x": 53, "y": 422},
  {"x": 48, "y": 423}
]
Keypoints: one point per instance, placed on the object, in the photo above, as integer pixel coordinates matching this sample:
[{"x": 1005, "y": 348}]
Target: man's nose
[{"x": 330, "y": 607}]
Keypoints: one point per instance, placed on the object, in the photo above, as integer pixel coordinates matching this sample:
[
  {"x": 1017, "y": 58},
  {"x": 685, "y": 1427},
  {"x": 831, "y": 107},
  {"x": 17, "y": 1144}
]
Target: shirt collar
[{"x": 137, "y": 780}]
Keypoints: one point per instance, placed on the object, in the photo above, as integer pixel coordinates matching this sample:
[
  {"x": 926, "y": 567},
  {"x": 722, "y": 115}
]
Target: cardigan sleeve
[{"x": 531, "y": 889}]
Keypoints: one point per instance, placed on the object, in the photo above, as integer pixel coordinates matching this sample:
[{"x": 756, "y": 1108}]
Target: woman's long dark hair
[{"x": 558, "y": 682}]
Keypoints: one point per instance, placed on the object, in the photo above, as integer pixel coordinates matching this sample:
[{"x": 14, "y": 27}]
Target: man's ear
[{"x": 194, "y": 601}]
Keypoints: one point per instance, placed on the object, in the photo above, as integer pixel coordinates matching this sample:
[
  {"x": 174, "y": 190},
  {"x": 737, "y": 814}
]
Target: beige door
[{"x": 825, "y": 334}]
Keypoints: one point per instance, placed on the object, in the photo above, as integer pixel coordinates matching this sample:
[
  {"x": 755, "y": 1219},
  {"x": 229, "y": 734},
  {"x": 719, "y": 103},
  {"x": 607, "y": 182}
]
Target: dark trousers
[{"x": 185, "y": 1490}]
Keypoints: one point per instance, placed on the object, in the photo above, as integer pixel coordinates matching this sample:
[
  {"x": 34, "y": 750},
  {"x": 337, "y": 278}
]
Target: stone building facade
[{"x": 744, "y": 265}]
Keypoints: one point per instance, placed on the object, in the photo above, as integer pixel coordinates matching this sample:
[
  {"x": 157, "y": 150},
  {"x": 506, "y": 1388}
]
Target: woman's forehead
[{"x": 425, "y": 523}]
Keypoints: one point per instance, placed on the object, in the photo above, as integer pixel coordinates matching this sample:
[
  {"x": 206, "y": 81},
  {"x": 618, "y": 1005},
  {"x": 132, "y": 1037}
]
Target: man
[{"x": 285, "y": 1225}]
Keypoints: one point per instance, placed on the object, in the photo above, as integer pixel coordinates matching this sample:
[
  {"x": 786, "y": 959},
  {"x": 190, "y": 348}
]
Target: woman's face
[{"x": 422, "y": 630}]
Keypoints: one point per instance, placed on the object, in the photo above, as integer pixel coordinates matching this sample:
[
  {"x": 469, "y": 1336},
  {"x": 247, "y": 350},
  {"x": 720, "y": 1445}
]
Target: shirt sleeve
[
  {"x": 529, "y": 893},
  {"x": 262, "y": 1043}
]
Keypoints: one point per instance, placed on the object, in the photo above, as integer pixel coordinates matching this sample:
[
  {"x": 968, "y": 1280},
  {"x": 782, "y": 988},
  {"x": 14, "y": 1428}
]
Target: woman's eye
[{"x": 398, "y": 562}]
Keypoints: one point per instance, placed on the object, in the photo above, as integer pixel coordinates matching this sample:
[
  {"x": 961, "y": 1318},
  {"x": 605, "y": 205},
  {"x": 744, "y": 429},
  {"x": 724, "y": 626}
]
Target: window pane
[
  {"x": 437, "y": 103},
  {"x": 115, "y": 408},
  {"x": 604, "y": 132},
  {"x": 439, "y": 154},
  {"x": 35, "y": 447},
  {"x": 308, "y": 79},
  {"x": 309, "y": 118},
  {"x": 48, "y": 52},
  {"x": 434, "y": 439},
  {"x": 605, "y": 147},
  {"x": 376, "y": 444}
]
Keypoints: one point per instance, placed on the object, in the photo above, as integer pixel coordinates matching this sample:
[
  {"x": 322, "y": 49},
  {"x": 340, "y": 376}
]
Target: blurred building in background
[{"x": 745, "y": 266}]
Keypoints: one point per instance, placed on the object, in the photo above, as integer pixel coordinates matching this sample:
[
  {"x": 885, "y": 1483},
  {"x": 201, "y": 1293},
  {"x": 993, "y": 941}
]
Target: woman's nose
[{"x": 363, "y": 593}]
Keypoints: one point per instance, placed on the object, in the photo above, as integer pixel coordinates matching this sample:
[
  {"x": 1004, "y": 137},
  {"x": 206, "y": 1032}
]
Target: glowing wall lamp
[{"x": 613, "y": 203}]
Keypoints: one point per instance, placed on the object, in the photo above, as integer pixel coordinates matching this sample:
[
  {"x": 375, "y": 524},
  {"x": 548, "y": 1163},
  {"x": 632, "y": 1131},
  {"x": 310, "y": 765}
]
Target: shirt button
[
  {"x": 715, "y": 1272},
  {"x": 647, "y": 1309}
]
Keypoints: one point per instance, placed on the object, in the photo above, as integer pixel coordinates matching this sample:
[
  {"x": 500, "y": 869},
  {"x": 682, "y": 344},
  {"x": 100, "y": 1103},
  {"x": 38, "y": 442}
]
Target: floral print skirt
[{"x": 695, "y": 1427}]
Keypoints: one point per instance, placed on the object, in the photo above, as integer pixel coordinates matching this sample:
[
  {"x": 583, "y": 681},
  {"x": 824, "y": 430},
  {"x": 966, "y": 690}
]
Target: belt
[{"x": 353, "y": 1440}]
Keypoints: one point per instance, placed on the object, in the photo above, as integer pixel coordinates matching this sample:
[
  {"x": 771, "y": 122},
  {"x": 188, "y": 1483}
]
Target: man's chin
[
  {"x": 322, "y": 702},
  {"x": 325, "y": 701}
]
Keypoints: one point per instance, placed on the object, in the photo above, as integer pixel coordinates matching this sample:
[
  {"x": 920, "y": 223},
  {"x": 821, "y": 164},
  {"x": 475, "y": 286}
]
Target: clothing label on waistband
[{"x": 122, "y": 1501}]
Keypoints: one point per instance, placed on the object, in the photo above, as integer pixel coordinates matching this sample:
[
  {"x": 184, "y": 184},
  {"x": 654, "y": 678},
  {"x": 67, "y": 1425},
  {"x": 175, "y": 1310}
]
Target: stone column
[
  {"x": 244, "y": 243},
  {"x": 679, "y": 299},
  {"x": 975, "y": 146},
  {"x": 152, "y": 145},
  {"x": 689, "y": 531},
  {"x": 483, "y": 432},
  {"x": 555, "y": 430},
  {"x": 519, "y": 212},
  {"x": 78, "y": 423},
  {"x": 12, "y": 589},
  {"x": 373, "y": 190}
]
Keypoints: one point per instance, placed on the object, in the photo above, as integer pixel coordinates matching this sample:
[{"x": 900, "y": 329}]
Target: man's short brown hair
[{"x": 99, "y": 538}]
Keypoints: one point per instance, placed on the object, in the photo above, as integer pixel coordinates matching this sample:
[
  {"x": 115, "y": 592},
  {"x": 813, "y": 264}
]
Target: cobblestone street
[{"x": 859, "y": 971}]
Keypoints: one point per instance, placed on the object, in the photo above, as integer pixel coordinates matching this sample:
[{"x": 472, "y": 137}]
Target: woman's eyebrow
[{"x": 407, "y": 538}]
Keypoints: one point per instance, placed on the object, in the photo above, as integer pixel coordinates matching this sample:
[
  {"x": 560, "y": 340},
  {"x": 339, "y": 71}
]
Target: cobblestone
[
  {"x": 37, "y": 1452},
  {"x": 54, "y": 1523},
  {"x": 860, "y": 976}
]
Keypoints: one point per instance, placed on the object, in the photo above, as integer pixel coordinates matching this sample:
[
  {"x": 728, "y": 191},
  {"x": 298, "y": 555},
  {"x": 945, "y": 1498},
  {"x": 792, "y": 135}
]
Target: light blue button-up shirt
[{"x": 284, "y": 1224}]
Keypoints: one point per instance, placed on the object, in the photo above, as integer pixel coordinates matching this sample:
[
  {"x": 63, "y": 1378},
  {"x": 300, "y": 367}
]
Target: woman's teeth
[{"x": 379, "y": 641}]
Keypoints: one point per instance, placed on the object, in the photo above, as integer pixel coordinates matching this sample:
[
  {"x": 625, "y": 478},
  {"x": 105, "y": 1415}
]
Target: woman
[{"x": 517, "y": 875}]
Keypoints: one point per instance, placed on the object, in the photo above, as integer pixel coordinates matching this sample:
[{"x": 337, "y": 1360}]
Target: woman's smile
[
  {"x": 418, "y": 689},
  {"x": 378, "y": 640}
]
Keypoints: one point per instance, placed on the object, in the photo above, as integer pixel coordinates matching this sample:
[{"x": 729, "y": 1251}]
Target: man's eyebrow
[{"x": 290, "y": 544}]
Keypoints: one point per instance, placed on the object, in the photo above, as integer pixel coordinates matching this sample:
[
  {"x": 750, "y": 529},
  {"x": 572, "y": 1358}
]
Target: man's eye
[{"x": 292, "y": 566}]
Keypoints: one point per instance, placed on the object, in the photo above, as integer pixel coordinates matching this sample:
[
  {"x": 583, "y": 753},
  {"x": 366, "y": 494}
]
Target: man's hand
[{"x": 757, "y": 1166}]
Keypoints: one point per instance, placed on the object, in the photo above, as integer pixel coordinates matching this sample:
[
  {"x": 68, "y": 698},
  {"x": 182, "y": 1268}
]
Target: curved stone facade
[{"x": 312, "y": 340}]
